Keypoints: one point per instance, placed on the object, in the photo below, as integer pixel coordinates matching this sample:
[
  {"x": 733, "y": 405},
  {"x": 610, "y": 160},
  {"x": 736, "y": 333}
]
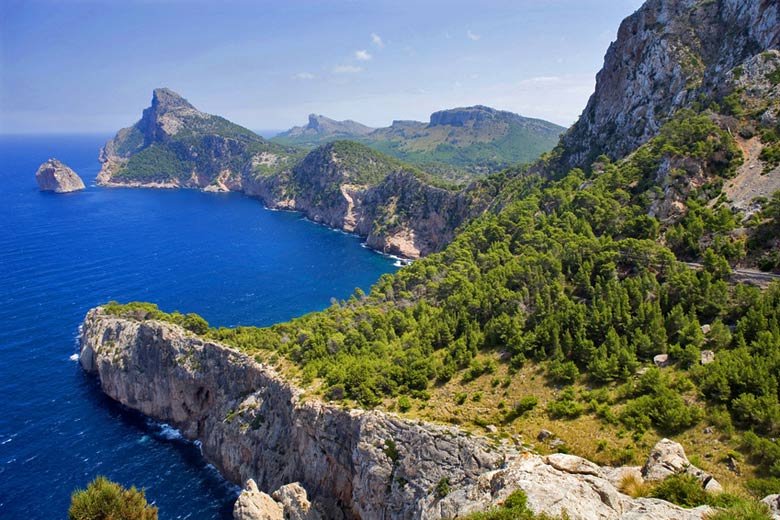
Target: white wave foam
[
  {"x": 74, "y": 357},
  {"x": 169, "y": 432}
]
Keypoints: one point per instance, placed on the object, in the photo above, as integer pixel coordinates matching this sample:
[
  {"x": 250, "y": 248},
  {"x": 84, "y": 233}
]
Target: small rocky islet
[{"x": 54, "y": 176}]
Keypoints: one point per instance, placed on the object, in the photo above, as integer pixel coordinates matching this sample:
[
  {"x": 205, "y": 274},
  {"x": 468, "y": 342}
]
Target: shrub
[
  {"x": 563, "y": 372},
  {"x": 106, "y": 500},
  {"x": 565, "y": 406},
  {"x": 683, "y": 490},
  {"x": 743, "y": 510},
  {"x": 443, "y": 487},
  {"x": 404, "y": 404},
  {"x": 761, "y": 487},
  {"x": 634, "y": 487}
]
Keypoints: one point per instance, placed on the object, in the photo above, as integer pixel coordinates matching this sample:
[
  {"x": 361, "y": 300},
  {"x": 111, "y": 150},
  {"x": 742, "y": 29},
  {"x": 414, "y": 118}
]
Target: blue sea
[{"x": 220, "y": 255}]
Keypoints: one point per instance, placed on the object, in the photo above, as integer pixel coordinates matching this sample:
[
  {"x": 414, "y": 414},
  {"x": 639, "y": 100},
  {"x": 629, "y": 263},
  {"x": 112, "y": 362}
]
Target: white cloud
[
  {"x": 347, "y": 69},
  {"x": 377, "y": 40},
  {"x": 363, "y": 55},
  {"x": 540, "y": 79},
  {"x": 471, "y": 36},
  {"x": 304, "y": 76}
]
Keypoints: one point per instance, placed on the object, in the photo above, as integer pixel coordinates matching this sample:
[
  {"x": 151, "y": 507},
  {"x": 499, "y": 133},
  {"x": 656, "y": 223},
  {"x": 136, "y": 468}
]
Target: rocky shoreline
[{"x": 261, "y": 431}]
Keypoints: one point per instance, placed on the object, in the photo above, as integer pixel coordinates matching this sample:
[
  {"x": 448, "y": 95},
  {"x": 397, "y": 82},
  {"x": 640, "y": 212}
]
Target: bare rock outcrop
[
  {"x": 668, "y": 458},
  {"x": 667, "y": 54},
  {"x": 253, "y": 504},
  {"x": 773, "y": 502},
  {"x": 558, "y": 485},
  {"x": 289, "y": 502},
  {"x": 55, "y": 176}
]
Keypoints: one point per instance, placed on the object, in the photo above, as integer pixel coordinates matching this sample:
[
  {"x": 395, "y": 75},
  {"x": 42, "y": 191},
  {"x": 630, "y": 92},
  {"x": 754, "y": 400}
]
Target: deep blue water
[{"x": 220, "y": 255}]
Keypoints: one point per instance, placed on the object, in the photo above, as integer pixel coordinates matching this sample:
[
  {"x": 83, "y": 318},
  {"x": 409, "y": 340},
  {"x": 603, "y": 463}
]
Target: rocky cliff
[
  {"x": 55, "y": 176},
  {"x": 352, "y": 463},
  {"x": 346, "y": 185},
  {"x": 667, "y": 55}
]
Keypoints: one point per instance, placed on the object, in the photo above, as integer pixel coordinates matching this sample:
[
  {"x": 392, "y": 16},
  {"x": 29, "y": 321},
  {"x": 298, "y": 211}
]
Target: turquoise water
[{"x": 220, "y": 255}]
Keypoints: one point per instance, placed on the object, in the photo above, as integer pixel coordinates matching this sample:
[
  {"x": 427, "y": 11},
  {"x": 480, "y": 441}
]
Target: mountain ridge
[{"x": 476, "y": 139}]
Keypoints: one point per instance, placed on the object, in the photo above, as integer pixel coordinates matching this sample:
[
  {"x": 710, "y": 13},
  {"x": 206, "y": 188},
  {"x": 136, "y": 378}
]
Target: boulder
[
  {"x": 668, "y": 458},
  {"x": 253, "y": 504},
  {"x": 707, "y": 357},
  {"x": 55, "y": 176},
  {"x": 544, "y": 435},
  {"x": 295, "y": 503},
  {"x": 573, "y": 464},
  {"x": 773, "y": 501},
  {"x": 661, "y": 360}
]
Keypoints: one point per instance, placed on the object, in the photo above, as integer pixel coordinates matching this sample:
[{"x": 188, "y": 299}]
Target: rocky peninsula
[
  {"x": 323, "y": 461},
  {"x": 57, "y": 177}
]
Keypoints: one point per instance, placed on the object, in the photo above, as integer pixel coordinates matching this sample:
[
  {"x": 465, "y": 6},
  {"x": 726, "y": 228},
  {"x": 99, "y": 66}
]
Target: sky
[{"x": 89, "y": 66}]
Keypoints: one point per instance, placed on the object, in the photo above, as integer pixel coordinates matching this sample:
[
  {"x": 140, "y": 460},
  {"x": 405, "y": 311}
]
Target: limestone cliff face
[
  {"x": 666, "y": 55},
  {"x": 352, "y": 463},
  {"x": 252, "y": 424},
  {"x": 55, "y": 176},
  {"x": 423, "y": 219},
  {"x": 348, "y": 186}
]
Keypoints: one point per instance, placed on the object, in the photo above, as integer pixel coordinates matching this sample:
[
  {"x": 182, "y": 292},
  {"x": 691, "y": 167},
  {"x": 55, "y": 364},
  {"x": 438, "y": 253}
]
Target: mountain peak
[
  {"x": 319, "y": 126},
  {"x": 164, "y": 99}
]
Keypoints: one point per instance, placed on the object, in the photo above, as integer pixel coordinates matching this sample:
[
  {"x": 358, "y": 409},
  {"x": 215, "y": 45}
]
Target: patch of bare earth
[{"x": 751, "y": 182}]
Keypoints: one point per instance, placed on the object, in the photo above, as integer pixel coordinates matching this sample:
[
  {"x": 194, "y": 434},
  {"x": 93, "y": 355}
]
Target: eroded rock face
[
  {"x": 323, "y": 461},
  {"x": 666, "y": 55},
  {"x": 253, "y": 424},
  {"x": 55, "y": 176}
]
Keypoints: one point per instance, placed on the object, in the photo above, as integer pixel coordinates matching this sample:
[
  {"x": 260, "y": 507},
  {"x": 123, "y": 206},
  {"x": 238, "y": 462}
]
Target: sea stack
[{"x": 55, "y": 176}]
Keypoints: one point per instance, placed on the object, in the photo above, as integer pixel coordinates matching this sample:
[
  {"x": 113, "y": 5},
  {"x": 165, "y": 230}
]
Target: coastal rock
[
  {"x": 295, "y": 503},
  {"x": 344, "y": 464},
  {"x": 668, "y": 458},
  {"x": 253, "y": 504},
  {"x": 55, "y": 176}
]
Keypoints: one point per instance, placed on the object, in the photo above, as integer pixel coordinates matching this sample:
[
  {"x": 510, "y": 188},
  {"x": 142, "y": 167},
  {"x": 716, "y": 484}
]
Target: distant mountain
[
  {"x": 321, "y": 129},
  {"x": 475, "y": 140}
]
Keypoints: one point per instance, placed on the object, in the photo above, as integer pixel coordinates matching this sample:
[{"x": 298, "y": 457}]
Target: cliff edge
[{"x": 352, "y": 463}]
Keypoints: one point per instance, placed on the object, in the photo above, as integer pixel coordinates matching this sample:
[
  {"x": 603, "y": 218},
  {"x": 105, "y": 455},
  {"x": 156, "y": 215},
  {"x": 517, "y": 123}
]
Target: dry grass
[
  {"x": 587, "y": 436},
  {"x": 634, "y": 486}
]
